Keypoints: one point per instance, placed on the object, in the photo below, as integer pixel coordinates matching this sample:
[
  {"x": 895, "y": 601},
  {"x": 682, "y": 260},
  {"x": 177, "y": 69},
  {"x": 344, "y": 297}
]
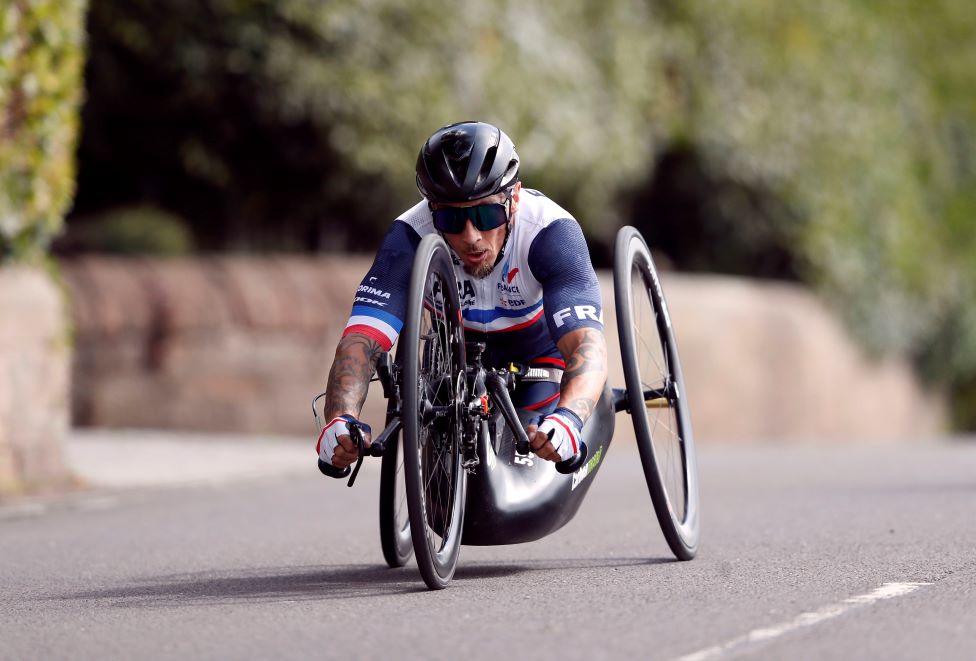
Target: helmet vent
[
  {"x": 457, "y": 154},
  {"x": 487, "y": 164}
]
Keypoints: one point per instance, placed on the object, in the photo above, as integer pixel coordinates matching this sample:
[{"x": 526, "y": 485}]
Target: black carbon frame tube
[{"x": 498, "y": 388}]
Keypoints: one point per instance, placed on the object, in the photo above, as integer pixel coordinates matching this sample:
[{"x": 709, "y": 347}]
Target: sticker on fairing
[{"x": 584, "y": 470}]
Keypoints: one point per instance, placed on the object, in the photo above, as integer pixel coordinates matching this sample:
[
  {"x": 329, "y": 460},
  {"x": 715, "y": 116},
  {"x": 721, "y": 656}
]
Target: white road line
[{"x": 886, "y": 591}]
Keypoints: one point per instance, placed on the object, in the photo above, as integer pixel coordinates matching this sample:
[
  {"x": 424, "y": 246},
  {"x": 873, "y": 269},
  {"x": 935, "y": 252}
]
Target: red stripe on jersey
[
  {"x": 370, "y": 332},
  {"x": 539, "y": 405},
  {"x": 516, "y": 327},
  {"x": 545, "y": 360}
]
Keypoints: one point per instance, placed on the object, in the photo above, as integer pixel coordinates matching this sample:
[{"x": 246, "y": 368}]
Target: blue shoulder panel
[{"x": 560, "y": 260}]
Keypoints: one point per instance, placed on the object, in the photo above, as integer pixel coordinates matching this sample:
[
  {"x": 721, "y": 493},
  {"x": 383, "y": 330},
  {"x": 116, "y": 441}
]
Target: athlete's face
[{"x": 479, "y": 249}]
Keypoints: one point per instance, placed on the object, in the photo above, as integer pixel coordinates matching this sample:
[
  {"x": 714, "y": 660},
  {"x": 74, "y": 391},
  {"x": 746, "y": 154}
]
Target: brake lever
[
  {"x": 356, "y": 434},
  {"x": 375, "y": 449}
]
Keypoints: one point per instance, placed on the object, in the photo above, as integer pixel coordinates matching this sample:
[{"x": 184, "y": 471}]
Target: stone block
[{"x": 34, "y": 374}]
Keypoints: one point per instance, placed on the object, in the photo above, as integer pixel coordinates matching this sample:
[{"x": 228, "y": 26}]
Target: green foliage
[
  {"x": 862, "y": 119},
  {"x": 577, "y": 84},
  {"x": 330, "y": 102},
  {"x": 41, "y": 54},
  {"x": 130, "y": 231}
]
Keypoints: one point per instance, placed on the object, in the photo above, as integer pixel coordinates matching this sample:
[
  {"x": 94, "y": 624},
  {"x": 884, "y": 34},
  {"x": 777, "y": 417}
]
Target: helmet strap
[{"x": 501, "y": 253}]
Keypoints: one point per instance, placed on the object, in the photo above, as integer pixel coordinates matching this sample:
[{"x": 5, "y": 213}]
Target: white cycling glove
[
  {"x": 329, "y": 436},
  {"x": 565, "y": 426}
]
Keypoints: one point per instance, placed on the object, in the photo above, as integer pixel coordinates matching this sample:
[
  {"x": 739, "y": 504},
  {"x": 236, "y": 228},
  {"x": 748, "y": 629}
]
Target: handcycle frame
[{"x": 512, "y": 495}]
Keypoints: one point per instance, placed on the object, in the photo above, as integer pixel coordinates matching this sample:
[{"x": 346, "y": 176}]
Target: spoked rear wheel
[
  {"x": 656, "y": 393},
  {"x": 433, "y": 391}
]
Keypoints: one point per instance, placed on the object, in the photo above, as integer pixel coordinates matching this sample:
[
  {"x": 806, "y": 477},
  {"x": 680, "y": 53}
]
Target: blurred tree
[
  {"x": 857, "y": 122},
  {"x": 41, "y": 52},
  {"x": 287, "y": 123},
  {"x": 704, "y": 219}
]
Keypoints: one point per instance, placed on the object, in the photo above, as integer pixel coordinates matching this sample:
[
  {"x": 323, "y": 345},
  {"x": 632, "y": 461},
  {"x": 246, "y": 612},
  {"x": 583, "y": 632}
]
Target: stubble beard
[{"x": 481, "y": 271}]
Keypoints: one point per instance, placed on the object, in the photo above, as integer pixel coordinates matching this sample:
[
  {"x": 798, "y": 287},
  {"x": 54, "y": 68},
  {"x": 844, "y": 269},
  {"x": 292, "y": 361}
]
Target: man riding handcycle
[{"x": 501, "y": 361}]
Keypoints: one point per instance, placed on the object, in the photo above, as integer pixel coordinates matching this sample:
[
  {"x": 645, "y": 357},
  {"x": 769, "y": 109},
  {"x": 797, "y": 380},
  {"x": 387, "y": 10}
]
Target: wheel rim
[
  {"x": 438, "y": 435},
  {"x": 665, "y": 426},
  {"x": 651, "y": 367},
  {"x": 401, "y": 517}
]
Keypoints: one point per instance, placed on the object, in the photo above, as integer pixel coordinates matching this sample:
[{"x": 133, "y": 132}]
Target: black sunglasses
[{"x": 453, "y": 220}]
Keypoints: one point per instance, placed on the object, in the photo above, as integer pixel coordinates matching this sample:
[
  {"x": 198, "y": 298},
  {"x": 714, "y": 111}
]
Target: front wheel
[
  {"x": 656, "y": 393},
  {"x": 433, "y": 389}
]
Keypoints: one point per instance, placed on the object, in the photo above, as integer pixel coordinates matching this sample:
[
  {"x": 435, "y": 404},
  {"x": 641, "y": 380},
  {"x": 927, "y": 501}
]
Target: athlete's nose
[{"x": 471, "y": 234}]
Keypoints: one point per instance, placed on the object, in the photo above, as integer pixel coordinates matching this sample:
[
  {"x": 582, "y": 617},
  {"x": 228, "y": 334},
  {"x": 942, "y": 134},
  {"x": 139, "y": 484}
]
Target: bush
[
  {"x": 41, "y": 54},
  {"x": 129, "y": 231}
]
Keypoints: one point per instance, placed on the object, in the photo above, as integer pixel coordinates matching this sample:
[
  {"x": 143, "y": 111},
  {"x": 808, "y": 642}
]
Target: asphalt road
[{"x": 838, "y": 552}]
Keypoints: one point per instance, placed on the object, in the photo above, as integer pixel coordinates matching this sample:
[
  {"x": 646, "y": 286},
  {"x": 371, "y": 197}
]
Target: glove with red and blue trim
[
  {"x": 562, "y": 427},
  {"x": 329, "y": 439}
]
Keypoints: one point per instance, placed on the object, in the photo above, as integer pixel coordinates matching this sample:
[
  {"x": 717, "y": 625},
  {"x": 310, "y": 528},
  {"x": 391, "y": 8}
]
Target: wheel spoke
[{"x": 651, "y": 363}]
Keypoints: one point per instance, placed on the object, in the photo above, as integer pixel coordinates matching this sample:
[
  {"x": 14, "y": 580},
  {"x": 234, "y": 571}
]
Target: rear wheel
[
  {"x": 656, "y": 393},
  {"x": 433, "y": 389},
  {"x": 394, "y": 521}
]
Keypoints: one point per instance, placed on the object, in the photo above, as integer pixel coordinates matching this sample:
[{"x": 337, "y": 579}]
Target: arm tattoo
[
  {"x": 589, "y": 356},
  {"x": 585, "y": 374},
  {"x": 349, "y": 377},
  {"x": 582, "y": 407}
]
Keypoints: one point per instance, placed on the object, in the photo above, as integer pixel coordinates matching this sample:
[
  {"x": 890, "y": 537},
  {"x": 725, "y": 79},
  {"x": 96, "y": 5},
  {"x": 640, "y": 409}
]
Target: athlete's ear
[{"x": 515, "y": 195}]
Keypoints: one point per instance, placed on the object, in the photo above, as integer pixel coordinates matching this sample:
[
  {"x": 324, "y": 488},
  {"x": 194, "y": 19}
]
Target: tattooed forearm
[
  {"x": 586, "y": 370},
  {"x": 355, "y": 362},
  {"x": 589, "y": 355}
]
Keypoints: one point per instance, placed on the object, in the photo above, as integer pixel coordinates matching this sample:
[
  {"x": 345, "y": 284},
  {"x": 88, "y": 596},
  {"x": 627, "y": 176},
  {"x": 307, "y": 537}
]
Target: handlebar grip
[
  {"x": 356, "y": 434},
  {"x": 331, "y": 471},
  {"x": 374, "y": 449},
  {"x": 572, "y": 464}
]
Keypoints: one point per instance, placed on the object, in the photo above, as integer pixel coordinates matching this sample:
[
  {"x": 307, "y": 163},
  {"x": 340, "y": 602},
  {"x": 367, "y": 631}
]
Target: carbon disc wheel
[
  {"x": 433, "y": 365},
  {"x": 656, "y": 393}
]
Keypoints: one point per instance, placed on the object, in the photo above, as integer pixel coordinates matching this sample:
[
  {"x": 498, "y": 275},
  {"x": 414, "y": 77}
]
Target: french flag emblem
[{"x": 511, "y": 275}]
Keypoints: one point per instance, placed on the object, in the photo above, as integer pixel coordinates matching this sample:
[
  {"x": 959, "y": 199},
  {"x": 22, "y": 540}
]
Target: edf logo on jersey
[{"x": 581, "y": 311}]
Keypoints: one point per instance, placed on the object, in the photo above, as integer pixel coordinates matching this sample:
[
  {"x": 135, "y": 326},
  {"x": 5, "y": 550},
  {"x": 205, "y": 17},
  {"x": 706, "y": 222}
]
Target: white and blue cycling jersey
[{"x": 543, "y": 288}]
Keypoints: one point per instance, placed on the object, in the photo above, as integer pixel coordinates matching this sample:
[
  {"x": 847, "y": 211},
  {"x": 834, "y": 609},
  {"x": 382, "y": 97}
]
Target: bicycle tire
[
  {"x": 395, "y": 538},
  {"x": 433, "y": 372},
  {"x": 669, "y": 466}
]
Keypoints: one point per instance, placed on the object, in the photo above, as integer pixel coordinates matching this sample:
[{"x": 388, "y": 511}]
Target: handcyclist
[{"x": 527, "y": 287}]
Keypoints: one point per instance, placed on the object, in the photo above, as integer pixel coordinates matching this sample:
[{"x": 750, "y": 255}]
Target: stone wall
[
  {"x": 242, "y": 344},
  {"x": 34, "y": 371},
  {"x": 218, "y": 344},
  {"x": 768, "y": 361}
]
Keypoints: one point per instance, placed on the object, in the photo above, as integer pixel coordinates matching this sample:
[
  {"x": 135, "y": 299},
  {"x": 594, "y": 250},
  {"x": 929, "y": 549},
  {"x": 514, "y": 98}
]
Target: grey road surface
[{"x": 831, "y": 552}]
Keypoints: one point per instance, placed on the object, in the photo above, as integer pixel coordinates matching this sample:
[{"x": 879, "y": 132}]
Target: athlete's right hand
[{"x": 335, "y": 446}]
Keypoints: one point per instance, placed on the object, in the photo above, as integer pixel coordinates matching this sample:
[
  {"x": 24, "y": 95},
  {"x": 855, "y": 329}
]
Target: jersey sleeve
[
  {"x": 560, "y": 261},
  {"x": 381, "y": 299}
]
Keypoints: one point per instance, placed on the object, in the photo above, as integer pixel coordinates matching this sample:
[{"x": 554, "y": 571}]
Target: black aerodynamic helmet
[{"x": 466, "y": 161}]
